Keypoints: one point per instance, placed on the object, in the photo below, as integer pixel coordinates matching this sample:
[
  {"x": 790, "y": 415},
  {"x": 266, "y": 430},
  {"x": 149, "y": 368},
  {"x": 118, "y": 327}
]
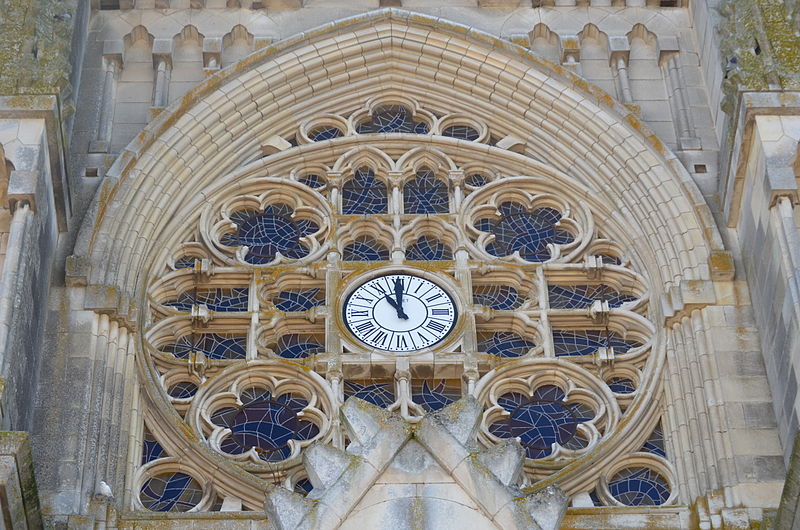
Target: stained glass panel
[
  {"x": 582, "y": 296},
  {"x": 504, "y": 344},
  {"x": 319, "y": 134},
  {"x": 541, "y": 420},
  {"x": 377, "y": 392},
  {"x": 655, "y": 443},
  {"x": 171, "y": 492},
  {"x": 426, "y": 194},
  {"x": 523, "y": 231},
  {"x": 499, "y": 297},
  {"x": 364, "y": 248},
  {"x": 428, "y": 249},
  {"x": 639, "y": 486},
  {"x": 462, "y": 132},
  {"x": 269, "y": 232},
  {"x": 295, "y": 346},
  {"x": 587, "y": 342},
  {"x": 364, "y": 194},
  {"x": 212, "y": 345},
  {"x": 476, "y": 180},
  {"x": 151, "y": 449},
  {"x": 264, "y": 423},
  {"x": 435, "y": 394},
  {"x": 621, "y": 385},
  {"x": 182, "y": 390},
  {"x": 303, "y": 486},
  {"x": 312, "y": 181},
  {"x": 298, "y": 300},
  {"x": 392, "y": 119},
  {"x": 222, "y": 300},
  {"x": 186, "y": 262}
]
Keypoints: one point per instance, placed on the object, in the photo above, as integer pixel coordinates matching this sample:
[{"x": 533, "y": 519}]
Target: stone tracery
[{"x": 262, "y": 281}]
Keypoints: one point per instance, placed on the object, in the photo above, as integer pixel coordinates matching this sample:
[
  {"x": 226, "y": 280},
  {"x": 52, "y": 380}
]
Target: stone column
[
  {"x": 161, "y": 84},
  {"x": 112, "y": 64},
  {"x": 669, "y": 55}
]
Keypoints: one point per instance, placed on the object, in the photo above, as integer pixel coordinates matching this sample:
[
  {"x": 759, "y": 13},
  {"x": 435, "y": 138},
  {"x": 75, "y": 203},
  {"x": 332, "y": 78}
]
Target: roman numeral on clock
[
  {"x": 365, "y": 327},
  {"x": 438, "y": 327},
  {"x": 440, "y": 312}
]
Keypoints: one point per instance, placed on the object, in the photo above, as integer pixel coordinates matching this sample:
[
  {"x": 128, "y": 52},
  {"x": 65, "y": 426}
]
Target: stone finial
[
  {"x": 285, "y": 509},
  {"x": 325, "y": 464},
  {"x": 460, "y": 419},
  {"x": 547, "y": 507},
  {"x": 505, "y": 461}
]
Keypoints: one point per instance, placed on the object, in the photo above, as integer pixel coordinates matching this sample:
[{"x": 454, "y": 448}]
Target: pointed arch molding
[{"x": 564, "y": 121}]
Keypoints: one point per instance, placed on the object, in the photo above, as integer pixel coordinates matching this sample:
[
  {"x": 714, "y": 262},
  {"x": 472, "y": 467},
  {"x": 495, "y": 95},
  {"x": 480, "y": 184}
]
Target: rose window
[{"x": 394, "y": 255}]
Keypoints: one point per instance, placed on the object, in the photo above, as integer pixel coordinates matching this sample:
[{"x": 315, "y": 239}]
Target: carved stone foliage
[{"x": 248, "y": 358}]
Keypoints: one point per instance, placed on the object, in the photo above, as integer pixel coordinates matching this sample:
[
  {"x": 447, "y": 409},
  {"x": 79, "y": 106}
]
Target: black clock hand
[
  {"x": 400, "y": 313},
  {"x": 398, "y": 294}
]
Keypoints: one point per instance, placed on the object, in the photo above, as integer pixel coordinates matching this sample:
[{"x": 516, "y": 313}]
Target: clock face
[{"x": 400, "y": 313}]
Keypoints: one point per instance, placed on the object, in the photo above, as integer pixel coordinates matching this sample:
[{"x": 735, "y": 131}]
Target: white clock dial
[{"x": 400, "y": 313}]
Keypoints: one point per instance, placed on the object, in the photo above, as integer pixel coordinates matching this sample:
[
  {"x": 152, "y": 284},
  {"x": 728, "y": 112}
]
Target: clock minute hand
[{"x": 398, "y": 294}]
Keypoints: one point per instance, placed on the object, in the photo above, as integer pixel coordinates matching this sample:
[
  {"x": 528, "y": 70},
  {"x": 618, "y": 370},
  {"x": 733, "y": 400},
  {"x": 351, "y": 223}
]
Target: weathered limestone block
[{"x": 18, "y": 491}]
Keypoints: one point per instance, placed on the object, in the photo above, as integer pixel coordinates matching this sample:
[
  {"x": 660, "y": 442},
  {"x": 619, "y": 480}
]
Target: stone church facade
[{"x": 399, "y": 263}]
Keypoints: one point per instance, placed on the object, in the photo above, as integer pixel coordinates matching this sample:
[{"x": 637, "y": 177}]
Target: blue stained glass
[
  {"x": 212, "y": 345},
  {"x": 639, "y": 486},
  {"x": 151, "y": 449},
  {"x": 426, "y": 194},
  {"x": 298, "y": 300},
  {"x": 365, "y": 248},
  {"x": 462, "y": 132},
  {"x": 303, "y": 486},
  {"x": 608, "y": 259},
  {"x": 264, "y": 423},
  {"x": 587, "y": 342},
  {"x": 215, "y": 299},
  {"x": 476, "y": 180},
  {"x": 428, "y": 249},
  {"x": 434, "y": 395},
  {"x": 294, "y": 346},
  {"x": 379, "y": 393},
  {"x": 171, "y": 492},
  {"x": 541, "y": 420},
  {"x": 324, "y": 133},
  {"x": 364, "y": 194},
  {"x": 312, "y": 181},
  {"x": 499, "y": 297},
  {"x": 655, "y": 443},
  {"x": 582, "y": 296},
  {"x": 186, "y": 262},
  {"x": 621, "y": 385},
  {"x": 595, "y": 498},
  {"x": 269, "y": 232},
  {"x": 392, "y": 119},
  {"x": 524, "y": 231},
  {"x": 183, "y": 390},
  {"x": 504, "y": 344}
]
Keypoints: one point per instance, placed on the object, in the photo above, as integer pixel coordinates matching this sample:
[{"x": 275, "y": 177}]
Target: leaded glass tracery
[
  {"x": 392, "y": 119},
  {"x": 364, "y": 194},
  {"x": 263, "y": 314}
]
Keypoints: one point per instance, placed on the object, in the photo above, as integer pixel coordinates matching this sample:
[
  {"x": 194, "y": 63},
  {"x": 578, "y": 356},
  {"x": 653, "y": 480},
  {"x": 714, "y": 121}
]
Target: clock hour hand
[{"x": 399, "y": 309}]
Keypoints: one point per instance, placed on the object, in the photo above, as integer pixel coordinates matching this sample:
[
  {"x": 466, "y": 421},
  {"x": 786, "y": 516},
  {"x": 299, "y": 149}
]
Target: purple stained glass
[
  {"x": 268, "y": 233},
  {"x": 541, "y": 420},
  {"x": 524, "y": 231}
]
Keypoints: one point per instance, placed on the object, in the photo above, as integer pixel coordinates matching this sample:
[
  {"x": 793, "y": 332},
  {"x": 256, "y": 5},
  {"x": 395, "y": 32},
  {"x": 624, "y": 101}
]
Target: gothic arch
[{"x": 572, "y": 136}]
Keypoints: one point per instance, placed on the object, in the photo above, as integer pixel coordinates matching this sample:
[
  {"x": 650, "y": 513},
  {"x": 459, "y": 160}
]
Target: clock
[{"x": 400, "y": 313}]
